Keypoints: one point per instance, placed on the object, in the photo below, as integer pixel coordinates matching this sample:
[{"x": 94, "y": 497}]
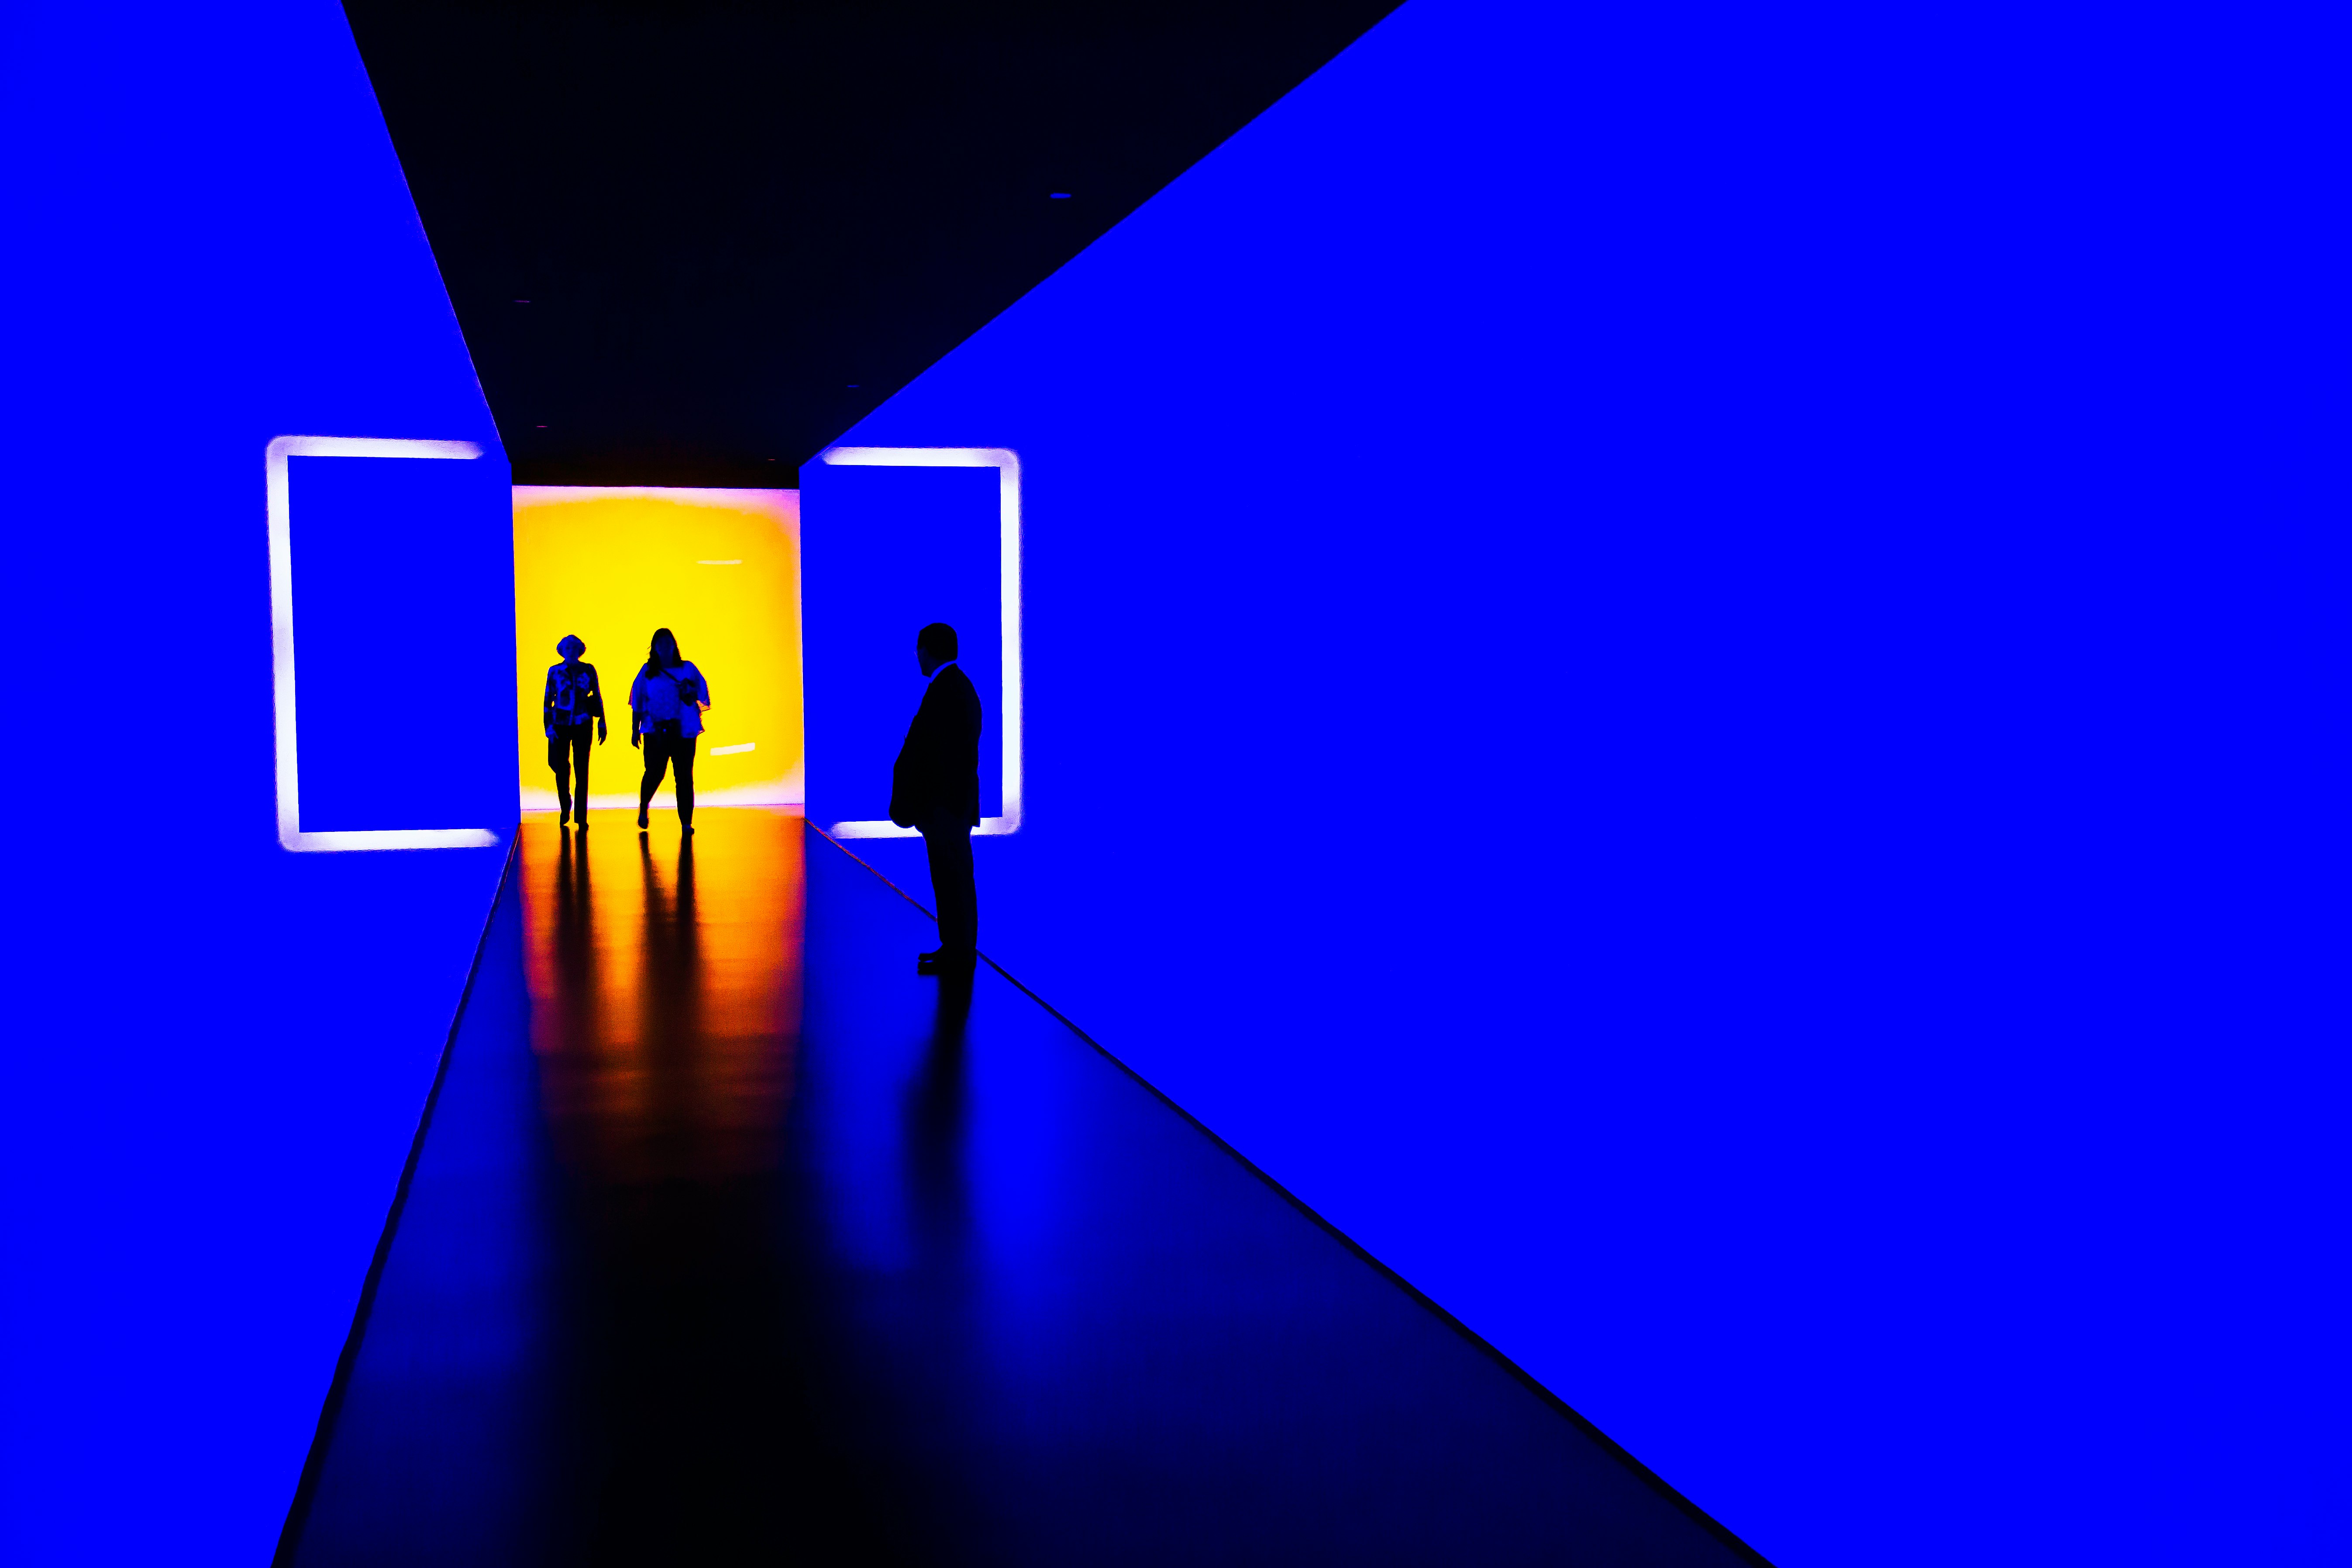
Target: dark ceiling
[{"x": 738, "y": 228}]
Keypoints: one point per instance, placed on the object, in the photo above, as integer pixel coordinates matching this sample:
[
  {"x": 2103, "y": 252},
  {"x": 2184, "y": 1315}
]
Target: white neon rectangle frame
[
  {"x": 1007, "y": 465},
  {"x": 281, "y": 648}
]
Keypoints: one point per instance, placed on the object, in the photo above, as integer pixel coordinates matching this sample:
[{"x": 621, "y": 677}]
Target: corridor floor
[{"x": 731, "y": 1239}]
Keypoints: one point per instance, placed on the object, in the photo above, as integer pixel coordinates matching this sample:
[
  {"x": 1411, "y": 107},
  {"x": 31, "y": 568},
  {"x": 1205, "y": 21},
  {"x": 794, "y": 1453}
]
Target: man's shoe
[
  {"x": 940, "y": 960},
  {"x": 642, "y": 823}
]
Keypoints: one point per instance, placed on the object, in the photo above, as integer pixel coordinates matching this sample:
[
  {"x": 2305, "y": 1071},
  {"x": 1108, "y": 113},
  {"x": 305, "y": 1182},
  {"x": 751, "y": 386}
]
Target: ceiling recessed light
[
  {"x": 1051, "y": 197},
  {"x": 522, "y": 301}
]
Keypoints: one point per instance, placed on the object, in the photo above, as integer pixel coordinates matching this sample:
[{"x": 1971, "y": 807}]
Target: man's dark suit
[{"x": 935, "y": 788}]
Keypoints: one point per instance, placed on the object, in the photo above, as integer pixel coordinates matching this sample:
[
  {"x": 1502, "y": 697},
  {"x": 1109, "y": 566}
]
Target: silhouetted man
[{"x": 935, "y": 788}]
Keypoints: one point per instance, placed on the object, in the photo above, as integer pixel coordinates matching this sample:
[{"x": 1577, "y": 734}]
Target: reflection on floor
[{"x": 739, "y": 1241}]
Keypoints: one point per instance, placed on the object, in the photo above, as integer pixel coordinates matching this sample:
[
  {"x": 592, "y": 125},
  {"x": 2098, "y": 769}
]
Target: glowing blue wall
[
  {"x": 216, "y": 1049},
  {"x": 1686, "y": 667}
]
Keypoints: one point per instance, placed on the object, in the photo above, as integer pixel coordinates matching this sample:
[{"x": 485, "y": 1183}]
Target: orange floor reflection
[{"x": 666, "y": 991}]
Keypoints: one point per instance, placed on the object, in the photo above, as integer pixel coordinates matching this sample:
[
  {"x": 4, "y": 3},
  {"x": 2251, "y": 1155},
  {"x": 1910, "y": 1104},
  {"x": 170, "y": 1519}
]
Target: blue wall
[
  {"x": 1689, "y": 668},
  {"x": 217, "y": 1050}
]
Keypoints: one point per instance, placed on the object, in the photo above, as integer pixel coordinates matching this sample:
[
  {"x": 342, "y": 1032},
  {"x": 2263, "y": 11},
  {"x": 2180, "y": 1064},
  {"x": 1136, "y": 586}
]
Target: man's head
[
  {"x": 935, "y": 644},
  {"x": 570, "y": 647}
]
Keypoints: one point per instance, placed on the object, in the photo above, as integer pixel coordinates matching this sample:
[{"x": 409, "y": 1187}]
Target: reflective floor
[{"x": 733, "y": 1239}]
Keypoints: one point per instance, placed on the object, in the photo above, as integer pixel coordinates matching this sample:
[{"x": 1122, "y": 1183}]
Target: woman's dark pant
[
  {"x": 567, "y": 753},
  {"x": 669, "y": 751}
]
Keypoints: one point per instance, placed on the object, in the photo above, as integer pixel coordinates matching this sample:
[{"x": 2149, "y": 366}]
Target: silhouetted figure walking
[
  {"x": 573, "y": 703},
  {"x": 935, "y": 789},
  {"x": 667, "y": 701}
]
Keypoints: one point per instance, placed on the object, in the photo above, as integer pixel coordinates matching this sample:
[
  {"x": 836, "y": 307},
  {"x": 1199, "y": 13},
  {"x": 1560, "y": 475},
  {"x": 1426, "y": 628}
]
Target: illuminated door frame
[
  {"x": 1007, "y": 464},
  {"x": 281, "y": 648}
]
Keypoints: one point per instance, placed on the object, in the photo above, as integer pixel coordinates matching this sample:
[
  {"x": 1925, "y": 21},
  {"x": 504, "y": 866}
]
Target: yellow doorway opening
[{"x": 721, "y": 569}]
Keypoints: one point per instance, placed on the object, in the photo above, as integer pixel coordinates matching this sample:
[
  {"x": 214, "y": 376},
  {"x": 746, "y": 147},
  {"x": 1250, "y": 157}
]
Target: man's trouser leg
[{"x": 949, "y": 846}]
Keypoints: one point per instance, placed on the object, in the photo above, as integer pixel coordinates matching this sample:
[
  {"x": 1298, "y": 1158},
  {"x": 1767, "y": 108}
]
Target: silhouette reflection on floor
[{"x": 732, "y": 1238}]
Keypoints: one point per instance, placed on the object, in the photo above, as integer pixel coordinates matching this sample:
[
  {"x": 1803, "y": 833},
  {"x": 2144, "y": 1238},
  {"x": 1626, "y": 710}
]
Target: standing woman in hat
[
  {"x": 667, "y": 698},
  {"x": 572, "y": 702}
]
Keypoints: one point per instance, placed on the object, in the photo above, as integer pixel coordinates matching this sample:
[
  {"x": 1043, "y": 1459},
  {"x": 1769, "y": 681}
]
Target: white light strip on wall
[
  {"x": 1007, "y": 465},
  {"x": 282, "y": 648},
  {"x": 731, "y": 751}
]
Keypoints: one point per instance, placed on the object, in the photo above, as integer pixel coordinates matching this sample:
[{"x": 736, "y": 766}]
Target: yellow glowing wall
[{"x": 719, "y": 568}]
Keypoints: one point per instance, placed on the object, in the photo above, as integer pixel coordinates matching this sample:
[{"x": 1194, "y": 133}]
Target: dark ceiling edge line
[
  {"x": 416, "y": 216},
  {"x": 1124, "y": 219},
  {"x": 772, "y": 404}
]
